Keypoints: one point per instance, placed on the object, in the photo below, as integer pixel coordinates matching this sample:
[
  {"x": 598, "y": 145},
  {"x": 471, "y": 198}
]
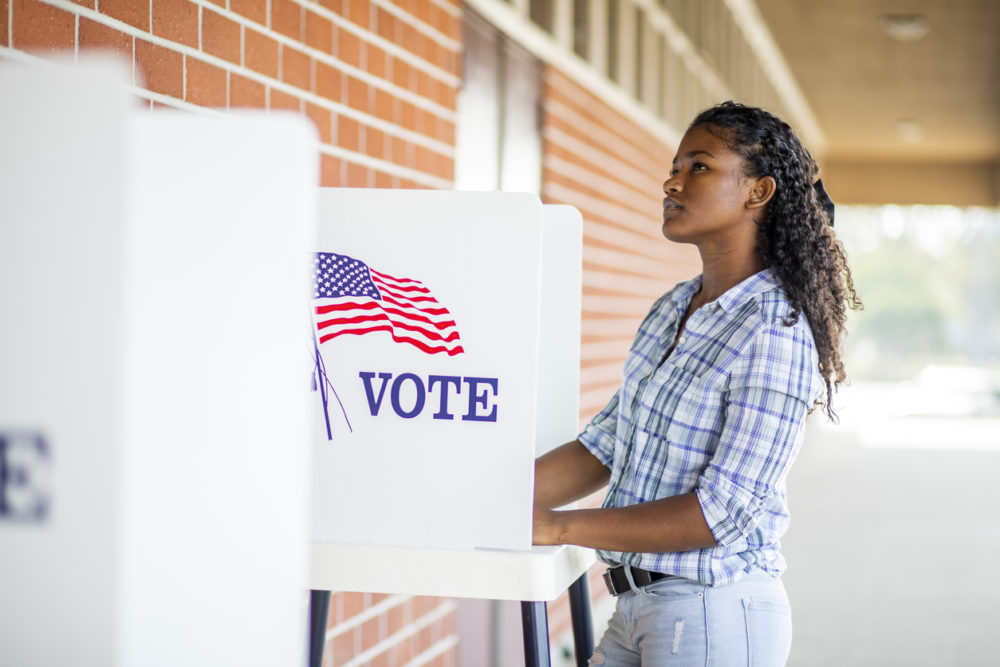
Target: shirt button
[{"x": 680, "y": 341}]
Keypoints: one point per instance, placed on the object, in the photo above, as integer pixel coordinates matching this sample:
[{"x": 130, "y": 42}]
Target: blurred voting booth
[
  {"x": 154, "y": 444},
  {"x": 447, "y": 357}
]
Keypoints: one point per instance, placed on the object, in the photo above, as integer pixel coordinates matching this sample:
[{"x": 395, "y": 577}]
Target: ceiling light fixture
[
  {"x": 904, "y": 27},
  {"x": 909, "y": 131}
]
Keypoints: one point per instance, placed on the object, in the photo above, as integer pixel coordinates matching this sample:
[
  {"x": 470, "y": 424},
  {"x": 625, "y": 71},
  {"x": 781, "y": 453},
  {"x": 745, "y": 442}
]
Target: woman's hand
[{"x": 546, "y": 527}]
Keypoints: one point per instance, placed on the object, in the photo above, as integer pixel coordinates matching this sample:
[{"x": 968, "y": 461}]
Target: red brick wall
[
  {"x": 598, "y": 160},
  {"x": 378, "y": 78}
]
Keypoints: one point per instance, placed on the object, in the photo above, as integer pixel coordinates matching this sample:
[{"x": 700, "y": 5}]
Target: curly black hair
[{"x": 795, "y": 238}]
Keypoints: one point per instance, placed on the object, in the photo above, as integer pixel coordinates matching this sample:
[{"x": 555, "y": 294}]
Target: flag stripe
[
  {"x": 353, "y": 305},
  {"x": 450, "y": 351},
  {"x": 433, "y": 335}
]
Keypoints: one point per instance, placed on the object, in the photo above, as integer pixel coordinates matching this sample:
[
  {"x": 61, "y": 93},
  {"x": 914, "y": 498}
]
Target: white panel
[
  {"x": 559, "y": 357},
  {"x": 155, "y": 339},
  {"x": 436, "y": 477},
  {"x": 61, "y": 224},
  {"x": 215, "y": 479}
]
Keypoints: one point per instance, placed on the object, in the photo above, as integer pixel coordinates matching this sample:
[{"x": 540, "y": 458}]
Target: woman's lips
[{"x": 671, "y": 205}]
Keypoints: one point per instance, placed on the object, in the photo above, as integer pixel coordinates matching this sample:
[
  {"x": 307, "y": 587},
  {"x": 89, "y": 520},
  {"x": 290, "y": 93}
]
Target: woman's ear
[{"x": 761, "y": 192}]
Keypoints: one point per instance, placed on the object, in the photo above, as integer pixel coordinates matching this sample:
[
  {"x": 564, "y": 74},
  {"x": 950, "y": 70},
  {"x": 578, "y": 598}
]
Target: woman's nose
[{"x": 671, "y": 185}]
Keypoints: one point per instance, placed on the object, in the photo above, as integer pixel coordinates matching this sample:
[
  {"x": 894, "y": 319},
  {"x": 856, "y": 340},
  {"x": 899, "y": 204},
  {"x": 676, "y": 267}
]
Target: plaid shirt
[{"x": 722, "y": 416}]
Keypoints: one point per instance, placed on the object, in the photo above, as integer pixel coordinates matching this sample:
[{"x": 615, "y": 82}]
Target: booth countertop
[{"x": 541, "y": 574}]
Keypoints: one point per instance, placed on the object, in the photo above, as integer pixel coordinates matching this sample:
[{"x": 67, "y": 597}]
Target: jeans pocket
[
  {"x": 769, "y": 631},
  {"x": 675, "y": 587}
]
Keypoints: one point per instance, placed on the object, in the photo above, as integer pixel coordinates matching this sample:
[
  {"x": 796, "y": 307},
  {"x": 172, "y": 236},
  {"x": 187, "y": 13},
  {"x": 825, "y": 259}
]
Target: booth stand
[{"x": 533, "y": 577}]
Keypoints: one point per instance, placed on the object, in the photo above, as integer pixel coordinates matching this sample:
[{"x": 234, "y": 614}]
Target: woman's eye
[
  {"x": 673, "y": 172},
  {"x": 698, "y": 166}
]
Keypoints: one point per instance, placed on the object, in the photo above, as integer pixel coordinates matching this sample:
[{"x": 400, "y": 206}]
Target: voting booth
[
  {"x": 154, "y": 446},
  {"x": 447, "y": 337}
]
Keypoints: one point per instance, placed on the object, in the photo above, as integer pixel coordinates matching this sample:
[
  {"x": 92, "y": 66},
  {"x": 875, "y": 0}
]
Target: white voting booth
[
  {"x": 153, "y": 440},
  {"x": 447, "y": 340}
]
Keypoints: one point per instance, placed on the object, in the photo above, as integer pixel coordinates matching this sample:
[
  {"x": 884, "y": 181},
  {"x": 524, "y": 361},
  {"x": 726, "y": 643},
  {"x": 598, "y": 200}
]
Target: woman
[{"x": 696, "y": 444}]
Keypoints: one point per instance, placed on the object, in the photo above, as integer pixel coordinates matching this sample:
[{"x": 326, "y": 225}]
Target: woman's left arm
[{"x": 668, "y": 524}]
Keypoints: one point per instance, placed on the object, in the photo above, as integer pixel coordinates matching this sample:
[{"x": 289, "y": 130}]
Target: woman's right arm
[{"x": 566, "y": 474}]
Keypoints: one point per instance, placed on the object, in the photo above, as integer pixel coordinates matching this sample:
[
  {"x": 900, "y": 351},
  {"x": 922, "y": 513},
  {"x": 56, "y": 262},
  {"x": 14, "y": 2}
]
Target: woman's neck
[{"x": 722, "y": 271}]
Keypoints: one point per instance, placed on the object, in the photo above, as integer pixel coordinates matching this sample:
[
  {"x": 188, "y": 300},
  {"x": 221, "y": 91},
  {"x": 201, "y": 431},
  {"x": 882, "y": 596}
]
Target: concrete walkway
[{"x": 894, "y": 550}]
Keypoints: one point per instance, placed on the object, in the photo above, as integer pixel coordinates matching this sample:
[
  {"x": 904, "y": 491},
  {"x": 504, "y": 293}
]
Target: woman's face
[{"x": 707, "y": 195}]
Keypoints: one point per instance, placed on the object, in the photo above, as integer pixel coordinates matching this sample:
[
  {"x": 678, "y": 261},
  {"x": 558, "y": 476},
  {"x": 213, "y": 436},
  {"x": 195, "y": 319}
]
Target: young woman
[{"x": 696, "y": 444}]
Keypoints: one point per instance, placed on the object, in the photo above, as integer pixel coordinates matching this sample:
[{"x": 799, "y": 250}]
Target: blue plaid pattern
[{"x": 723, "y": 416}]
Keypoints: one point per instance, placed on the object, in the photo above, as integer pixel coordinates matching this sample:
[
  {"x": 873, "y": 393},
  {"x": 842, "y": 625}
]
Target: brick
[
  {"x": 349, "y": 48},
  {"x": 206, "y": 84},
  {"x": 370, "y": 630},
  {"x": 282, "y": 100},
  {"x": 407, "y": 115},
  {"x": 407, "y": 37},
  {"x": 134, "y": 13},
  {"x": 397, "y": 150},
  {"x": 385, "y": 105},
  {"x": 445, "y": 131},
  {"x": 385, "y": 24},
  {"x": 357, "y": 94},
  {"x": 163, "y": 69},
  {"x": 176, "y": 20},
  {"x": 382, "y": 659},
  {"x": 319, "y": 33},
  {"x": 376, "y": 61},
  {"x": 221, "y": 37},
  {"x": 39, "y": 27},
  {"x": 286, "y": 18},
  {"x": 4, "y": 24},
  {"x": 335, "y": 6},
  {"x": 444, "y": 168},
  {"x": 255, "y": 10},
  {"x": 323, "y": 120},
  {"x": 329, "y": 82},
  {"x": 401, "y": 73},
  {"x": 96, "y": 37},
  {"x": 354, "y": 603},
  {"x": 357, "y": 176},
  {"x": 244, "y": 92},
  {"x": 424, "y": 85},
  {"x": 384, "y": 180},
  {"x": 329, "y": 171},
  {"x": 375, "y": 143},
  {"x": 260, "y": 53},
  {"x": 348, "y": 138},
  {"x": 221, "y": 3},
  {"x": 359, "y": 12},
  {"x": 296, "y": 68},
  {"x": 345, "y": 646}
]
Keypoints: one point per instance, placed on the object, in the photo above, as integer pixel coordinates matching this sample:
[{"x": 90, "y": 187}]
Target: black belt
[{"x": 617, "y": 581}]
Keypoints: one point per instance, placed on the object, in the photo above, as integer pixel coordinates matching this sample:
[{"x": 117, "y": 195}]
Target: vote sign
[{"x": 425, "y": 334}]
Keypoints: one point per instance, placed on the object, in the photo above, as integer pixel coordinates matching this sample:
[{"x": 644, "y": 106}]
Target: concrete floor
[{"x": 894, "y": 550}]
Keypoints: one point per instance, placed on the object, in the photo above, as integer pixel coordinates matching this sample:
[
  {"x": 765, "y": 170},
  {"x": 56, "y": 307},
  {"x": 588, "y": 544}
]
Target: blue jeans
[{"x": 680, "y": 622}]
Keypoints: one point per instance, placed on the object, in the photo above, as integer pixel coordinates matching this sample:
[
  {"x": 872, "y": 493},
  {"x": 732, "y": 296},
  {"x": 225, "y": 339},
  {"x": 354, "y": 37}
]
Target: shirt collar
[
  {"x": 737, "y": 295},
  {"x": 734, "y": 297}
]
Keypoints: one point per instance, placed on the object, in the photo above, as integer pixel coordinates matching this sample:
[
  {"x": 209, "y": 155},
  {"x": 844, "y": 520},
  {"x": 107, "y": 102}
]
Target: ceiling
[{"x": 905, "y": 121}]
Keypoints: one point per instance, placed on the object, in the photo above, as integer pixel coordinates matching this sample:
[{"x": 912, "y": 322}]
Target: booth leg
[
  {"x": 535, "y": 622},
  {"x": 583, "y": 626},
  {"x": 319, "y": 606}
]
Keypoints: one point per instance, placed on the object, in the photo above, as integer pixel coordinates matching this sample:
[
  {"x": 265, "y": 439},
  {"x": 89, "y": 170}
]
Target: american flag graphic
[{"x": 353, "y": 298}]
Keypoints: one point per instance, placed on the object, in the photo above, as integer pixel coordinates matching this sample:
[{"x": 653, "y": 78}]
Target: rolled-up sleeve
[
  {"x": 770, "y": 390},
  {"x": 599, "y": 435}
]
